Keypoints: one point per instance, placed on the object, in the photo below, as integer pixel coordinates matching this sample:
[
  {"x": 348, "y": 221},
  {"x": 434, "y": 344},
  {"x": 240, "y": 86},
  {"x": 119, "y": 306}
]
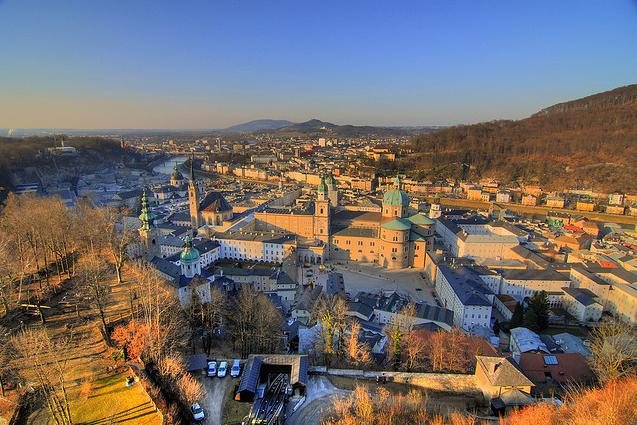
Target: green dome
[
  {"x": 397, "y": 224},
  {"x": 190, "y": 254},
  {"x": 396, "y": 198}
]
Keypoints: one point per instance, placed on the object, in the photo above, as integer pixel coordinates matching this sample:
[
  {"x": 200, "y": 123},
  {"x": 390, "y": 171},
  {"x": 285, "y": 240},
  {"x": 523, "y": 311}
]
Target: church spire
[
  {"x": 192, "y": 169},
  {"x": 147, "y": 217}
]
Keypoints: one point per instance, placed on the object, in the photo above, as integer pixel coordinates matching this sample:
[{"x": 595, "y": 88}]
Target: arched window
[{"x": 321, "y": 210}]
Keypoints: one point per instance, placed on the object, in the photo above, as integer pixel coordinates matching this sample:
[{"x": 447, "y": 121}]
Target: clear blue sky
[{"x": 207, "y": 64}]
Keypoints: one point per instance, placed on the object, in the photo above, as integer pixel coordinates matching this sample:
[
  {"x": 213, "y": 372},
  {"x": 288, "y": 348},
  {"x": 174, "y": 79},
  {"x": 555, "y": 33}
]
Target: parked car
[
  {"x": 236, "y": 368},
  {"x": 197, "y": 412},
  {"x": 212, "y": 368},
  {"x": 223, "y": 369}
]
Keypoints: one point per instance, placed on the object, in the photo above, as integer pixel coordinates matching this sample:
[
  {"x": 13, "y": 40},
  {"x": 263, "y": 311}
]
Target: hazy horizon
[{"x": 159, "y": 65}]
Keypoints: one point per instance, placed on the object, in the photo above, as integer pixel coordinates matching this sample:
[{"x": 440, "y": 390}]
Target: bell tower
[
  {"x": 148, "y": 233},
  {"x": 193, "y": 197},
  {"x": 322, "y": 213}
]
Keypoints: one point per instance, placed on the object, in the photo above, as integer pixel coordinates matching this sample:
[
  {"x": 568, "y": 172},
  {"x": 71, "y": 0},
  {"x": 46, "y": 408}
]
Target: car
[
  {"x": 197, "y": 412},
  {"x": 223, "y": 369},
  {"x": 212, "y": 368},
  {"x": 418, "y": 289},
  {"x": 236, "y": 368}
]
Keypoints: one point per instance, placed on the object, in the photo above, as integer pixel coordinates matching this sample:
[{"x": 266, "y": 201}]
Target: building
[
  {"x": 463, "y": 292},
  {"x": 524, "y": 340},
  {"x": 477, "y": 238},
  {"x": 148, "y": 233},
  {"x": 502, "y": 383},
  {"x": 525, "y": 283},
  {"x": 212, "y": 209},
  {"x": 582, "y": 304},
  {"x": 393, "y": 237},
  {"x": 556, "y": 372},
  {"x": 259, "y": 367}
]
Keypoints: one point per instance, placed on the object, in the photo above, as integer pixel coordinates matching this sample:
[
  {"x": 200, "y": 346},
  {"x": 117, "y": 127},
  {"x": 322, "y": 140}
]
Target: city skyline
[{"x": 156, "y": 65}]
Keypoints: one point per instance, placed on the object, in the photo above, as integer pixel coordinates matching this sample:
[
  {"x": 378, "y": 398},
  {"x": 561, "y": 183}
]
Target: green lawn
[
  {"x": 110, "y": 401},
  {"x": 234, "y": 411}
]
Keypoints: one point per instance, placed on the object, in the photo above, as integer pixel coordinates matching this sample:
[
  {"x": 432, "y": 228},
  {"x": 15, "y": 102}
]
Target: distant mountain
[
  {"x": 257, "y": 125},
  {"x": 587, "y": 143},
  {"x": 315, "y": 127}
]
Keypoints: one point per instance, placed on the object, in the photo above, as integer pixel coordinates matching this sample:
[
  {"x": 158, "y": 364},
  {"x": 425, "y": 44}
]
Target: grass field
[
  {"x": 109, "y": 400},
  {"x": 234, "y": 411}
]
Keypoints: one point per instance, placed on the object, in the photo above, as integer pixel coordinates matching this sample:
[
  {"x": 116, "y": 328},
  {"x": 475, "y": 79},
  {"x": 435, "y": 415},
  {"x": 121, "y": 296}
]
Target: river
[{"x": 167, "y": 166}]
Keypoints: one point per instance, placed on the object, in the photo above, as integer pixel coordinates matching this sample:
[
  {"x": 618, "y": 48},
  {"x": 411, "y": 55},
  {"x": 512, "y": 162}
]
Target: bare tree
[
  {"x": 614, "y": 347},
  {"x": 46, "y": 361},
  {"x": 358, "y": 352},
  {"x": 118, "y": 234},
  {"x": 93, "y": 274}
]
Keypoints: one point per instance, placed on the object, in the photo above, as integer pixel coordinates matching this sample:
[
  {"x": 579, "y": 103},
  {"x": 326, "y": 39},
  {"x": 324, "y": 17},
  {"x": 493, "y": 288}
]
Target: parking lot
[{"x": 216, "y": 389}]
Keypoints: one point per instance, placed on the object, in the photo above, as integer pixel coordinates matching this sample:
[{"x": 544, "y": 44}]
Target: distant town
[{"x": 504, "y": 292}]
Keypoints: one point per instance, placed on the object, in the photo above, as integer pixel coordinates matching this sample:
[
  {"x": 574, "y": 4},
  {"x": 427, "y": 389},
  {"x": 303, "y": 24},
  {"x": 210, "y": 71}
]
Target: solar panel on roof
[{"x": 550, "y": 360}]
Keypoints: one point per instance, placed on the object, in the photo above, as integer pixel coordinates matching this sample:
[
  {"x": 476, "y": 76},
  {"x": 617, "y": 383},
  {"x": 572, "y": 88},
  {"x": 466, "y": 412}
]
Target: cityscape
[{"x": 205, "y": 226}]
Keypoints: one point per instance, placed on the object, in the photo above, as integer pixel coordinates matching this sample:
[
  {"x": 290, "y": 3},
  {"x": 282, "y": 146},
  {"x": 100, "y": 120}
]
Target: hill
[
  {"x": 587, "y": 143},
  {"x": 318, "y": 128},
  {"x": 257, "y": 125}
]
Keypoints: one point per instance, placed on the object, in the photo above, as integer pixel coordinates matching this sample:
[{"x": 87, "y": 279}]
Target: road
[
  {"x": 320, "y": 394},
  {"x": 215, "y": 395}
]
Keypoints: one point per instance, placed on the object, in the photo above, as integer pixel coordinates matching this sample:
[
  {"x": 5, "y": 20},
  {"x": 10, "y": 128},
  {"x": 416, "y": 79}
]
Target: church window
[
  {"x": 360, "y": 243},
  {"x": 395, "y": 239},
  {"x": 321, "y": 210}
]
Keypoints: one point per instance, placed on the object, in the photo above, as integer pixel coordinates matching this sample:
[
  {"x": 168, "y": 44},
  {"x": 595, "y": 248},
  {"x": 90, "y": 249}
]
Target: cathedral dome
[{"x": 396, "y": 197}]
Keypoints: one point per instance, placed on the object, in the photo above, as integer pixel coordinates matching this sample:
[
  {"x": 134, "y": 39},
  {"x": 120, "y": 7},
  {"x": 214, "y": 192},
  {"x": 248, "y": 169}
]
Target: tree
[
  {"x": 93, "y": 275},
  {"x": 118, "y": 234},
  {"x": 536, "y": 316},
  {"x": 518, "y": 316},
  {"x": 415, "y": 346},
  {"x": 358, "y": 352},
  {"x": 132, "y": 338},
  {"x": 614, "y": 347},
  {"x": 46, "y": 361},
  {"x": 394, "y": 343},
  {"x": 5, "y": 366}
]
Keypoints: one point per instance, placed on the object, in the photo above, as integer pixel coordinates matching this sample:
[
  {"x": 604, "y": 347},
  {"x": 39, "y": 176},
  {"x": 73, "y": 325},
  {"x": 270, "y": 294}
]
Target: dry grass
[{"x": 614, "y": 404}]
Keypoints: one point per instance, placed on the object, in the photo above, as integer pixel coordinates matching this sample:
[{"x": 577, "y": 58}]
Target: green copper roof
[
  {"x": 421, "y": 219},
  {"x": 397, "y": 224},
  {"x": 147, "y": 217},
  {"x": 322, "y": 188},
  {"x": 190, "y": 254},
  {"x": 396, "y": 198}
]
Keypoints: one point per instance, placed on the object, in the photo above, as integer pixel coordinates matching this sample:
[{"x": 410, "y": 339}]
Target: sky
[{"x": 214, "y": 63}]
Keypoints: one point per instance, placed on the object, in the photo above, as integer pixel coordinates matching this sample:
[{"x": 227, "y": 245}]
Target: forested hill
[{"x": 589, "y": 142}]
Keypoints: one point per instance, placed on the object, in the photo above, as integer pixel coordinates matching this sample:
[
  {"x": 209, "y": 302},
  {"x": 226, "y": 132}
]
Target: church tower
[
  {"x": 148, "y": 233},
  {"x": 322, "y": 213},
  {"x": 332, "y": 189},
  {"x": 193, "y": 197},
  {"x": 189, "y": 259}
]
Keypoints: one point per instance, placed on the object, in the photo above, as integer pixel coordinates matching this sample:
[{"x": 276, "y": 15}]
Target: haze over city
[{"x": 160, "y": 64}]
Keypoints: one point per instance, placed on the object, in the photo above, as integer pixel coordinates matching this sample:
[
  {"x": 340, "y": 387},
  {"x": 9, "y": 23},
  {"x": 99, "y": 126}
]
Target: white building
[
  {"x": 582, "y": 304},
  {"x": 476, "y": 238},
  {"x": 463, "y": 292},
  {"x": 524, "y": 340},
  {"x": 255, "y": 246}
]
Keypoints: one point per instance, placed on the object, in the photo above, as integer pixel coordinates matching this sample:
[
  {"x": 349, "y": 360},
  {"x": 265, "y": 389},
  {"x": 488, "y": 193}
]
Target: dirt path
[
  {"x": 215, "y": 396},
  {"x": 320, "y": 396}
]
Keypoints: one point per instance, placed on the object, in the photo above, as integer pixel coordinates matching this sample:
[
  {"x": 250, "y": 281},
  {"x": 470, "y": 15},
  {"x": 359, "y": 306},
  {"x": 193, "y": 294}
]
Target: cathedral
[
  {"x": 393, "y": 238},
  {"x": 316, "y": 232}
]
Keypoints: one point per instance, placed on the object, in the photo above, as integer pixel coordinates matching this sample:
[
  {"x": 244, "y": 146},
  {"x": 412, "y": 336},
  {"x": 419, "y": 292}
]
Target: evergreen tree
[
  {"x": 518, "y": 316},
  {"x": 536, "y": 317}
]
